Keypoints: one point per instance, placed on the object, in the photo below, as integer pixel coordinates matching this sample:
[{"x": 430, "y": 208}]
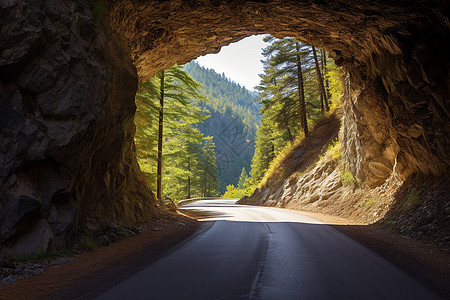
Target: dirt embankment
[{"x": 90, "y": 273}]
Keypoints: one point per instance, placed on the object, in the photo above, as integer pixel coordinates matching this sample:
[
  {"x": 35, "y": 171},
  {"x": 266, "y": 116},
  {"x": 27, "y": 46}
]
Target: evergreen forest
[
  {"x": 199, "y": 134},
  {"x": 300, "y": 85},
  {"x": 233, "y": 121}
]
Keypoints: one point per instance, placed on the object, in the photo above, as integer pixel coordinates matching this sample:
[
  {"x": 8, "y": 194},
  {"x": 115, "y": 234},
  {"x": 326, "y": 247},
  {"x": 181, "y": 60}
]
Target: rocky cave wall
[
  {"x": 67, "y": 93},
  {"x": 66, "y": 125}
]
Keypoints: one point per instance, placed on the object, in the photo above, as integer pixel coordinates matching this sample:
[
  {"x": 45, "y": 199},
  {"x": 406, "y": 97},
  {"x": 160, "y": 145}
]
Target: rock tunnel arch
[
  {"x": 387, "y": 50},
  {"x": 68, "y": 86}
]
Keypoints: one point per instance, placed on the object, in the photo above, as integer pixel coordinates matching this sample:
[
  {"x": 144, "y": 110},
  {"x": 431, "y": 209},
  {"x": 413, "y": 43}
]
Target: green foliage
[
  {"x": 233, "y": 193},
  {"x": 280, "y": 94},
  {"x": 333, "y": 151},
  {"x": 225, "y": 96},
  {"x": 236, "y": 193},
  {"x": 209, "y": 179},
  {"x": 335, "y": 77},
  {"x": 233, "y": 122},
  {"x": 276, "y": 165},
  {"x": 367, "y": 202},
  {"x": 347, "y": 177},
  {"x": 412, "y": 200},
  {"x": 184, "y": 155},
  {"x": 264, "y": 150},
  {"x": 242, "y": 178}
]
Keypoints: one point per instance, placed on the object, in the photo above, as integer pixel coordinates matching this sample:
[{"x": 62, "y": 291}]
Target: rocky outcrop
[
  {"x": 67, "y": 94},
  {"x": 66, "y": 125}
]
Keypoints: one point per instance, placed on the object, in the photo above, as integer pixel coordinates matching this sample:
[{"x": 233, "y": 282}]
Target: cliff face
[
  {"x": 67, "y": 107},
  {"x": 67, "y": 94}
]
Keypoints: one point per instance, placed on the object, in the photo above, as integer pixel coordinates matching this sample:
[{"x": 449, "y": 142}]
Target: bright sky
[{"x": 239, "y": 61}]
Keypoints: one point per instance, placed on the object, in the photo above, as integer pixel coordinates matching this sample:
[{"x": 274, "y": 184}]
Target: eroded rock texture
[
  {"x": 67, "y": 94},
  {"x": 66, "y": 124},
  {"x": 395, "y": 54}
]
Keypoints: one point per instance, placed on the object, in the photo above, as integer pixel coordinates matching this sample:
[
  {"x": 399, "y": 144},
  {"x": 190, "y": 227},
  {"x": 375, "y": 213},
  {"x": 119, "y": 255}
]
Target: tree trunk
[
  {"x": 291, "y": 138},
  {"x": 320, "y": 80},
  {"x": 322, "y": 70},
  {"x": 301, "y": 92},
  {"x": 189, "y": 179},
  {"x": 160, "y": 140},
  {"x": 325, "y": 72}
]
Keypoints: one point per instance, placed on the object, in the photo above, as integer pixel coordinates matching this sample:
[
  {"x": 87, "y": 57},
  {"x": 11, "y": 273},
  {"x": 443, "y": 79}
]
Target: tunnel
[{"x": 69, "y": 71}]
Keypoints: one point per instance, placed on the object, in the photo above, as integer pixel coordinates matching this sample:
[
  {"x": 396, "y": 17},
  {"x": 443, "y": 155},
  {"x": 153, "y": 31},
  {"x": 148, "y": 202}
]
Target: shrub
[
  {"x": 347, "y": 177},
  {"x": 367, "y": 202},
  {"x": 333, "y": 151}
]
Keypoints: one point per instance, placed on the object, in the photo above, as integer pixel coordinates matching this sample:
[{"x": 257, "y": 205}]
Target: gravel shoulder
[{"x": 90, "y": 273}]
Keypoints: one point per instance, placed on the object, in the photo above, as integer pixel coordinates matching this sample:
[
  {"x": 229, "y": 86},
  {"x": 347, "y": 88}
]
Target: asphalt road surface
[{"x": 246, "y": 252}]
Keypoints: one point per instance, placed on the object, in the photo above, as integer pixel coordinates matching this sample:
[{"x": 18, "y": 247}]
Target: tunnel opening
[
  {"x": 230, "y": 113},
  {"x": 83, "y": 82}
]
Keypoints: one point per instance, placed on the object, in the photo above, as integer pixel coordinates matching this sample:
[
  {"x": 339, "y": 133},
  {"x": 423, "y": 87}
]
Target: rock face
[
  {"x": 67, "y": 94},
  {"x": 66, "y": 125}
]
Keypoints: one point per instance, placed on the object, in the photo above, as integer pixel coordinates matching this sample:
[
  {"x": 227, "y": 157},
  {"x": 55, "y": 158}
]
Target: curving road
[{"x": 246, "y": 252}]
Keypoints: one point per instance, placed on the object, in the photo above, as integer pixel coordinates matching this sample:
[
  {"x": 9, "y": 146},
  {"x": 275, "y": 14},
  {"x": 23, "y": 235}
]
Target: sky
[{"x": 239, "y": 61}]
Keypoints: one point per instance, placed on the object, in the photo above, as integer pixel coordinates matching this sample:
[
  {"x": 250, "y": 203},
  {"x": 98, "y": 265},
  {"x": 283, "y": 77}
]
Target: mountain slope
[{"x": 233, "y": 122}]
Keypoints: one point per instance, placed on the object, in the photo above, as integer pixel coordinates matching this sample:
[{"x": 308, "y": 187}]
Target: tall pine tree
[{"x": 170, "y": 97}]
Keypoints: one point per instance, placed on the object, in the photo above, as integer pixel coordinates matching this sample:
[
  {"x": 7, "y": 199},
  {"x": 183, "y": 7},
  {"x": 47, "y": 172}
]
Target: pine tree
[
  {"x": 323, "y": 93},
  {"x": 170, "y": 97},
  {"x": 208, "y": 172},
  {"x": 293, "y": 90},
  {"x": 242, "y": 178},
  {"x": 264, "y": 151},
  {"x": 283, "y": 79}
]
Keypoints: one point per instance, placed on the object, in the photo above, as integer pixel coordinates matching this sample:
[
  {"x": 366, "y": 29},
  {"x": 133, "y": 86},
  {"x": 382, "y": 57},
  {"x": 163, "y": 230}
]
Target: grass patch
[
  {"x": 333, "y": 151},
  {"x": 347, "y": 177},
  {"x": 276, "y": 169},
  {"x": 412, "y": 200},
  {"x": 366, "y": 202}
]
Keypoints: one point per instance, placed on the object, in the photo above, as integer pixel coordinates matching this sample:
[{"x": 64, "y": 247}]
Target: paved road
[{"x": 245, "y": 252}]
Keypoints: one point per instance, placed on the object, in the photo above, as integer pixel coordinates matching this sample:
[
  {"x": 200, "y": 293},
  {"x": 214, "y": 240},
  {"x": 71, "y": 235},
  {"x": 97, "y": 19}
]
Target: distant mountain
[{"x": 233, "y": 122}]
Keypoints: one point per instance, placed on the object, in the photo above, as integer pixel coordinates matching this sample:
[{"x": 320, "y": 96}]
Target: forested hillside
[
  {"x": 211, "y": 134},
  {"x": 232, "y": 124},
  {"x": 300, "y": 86}
]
